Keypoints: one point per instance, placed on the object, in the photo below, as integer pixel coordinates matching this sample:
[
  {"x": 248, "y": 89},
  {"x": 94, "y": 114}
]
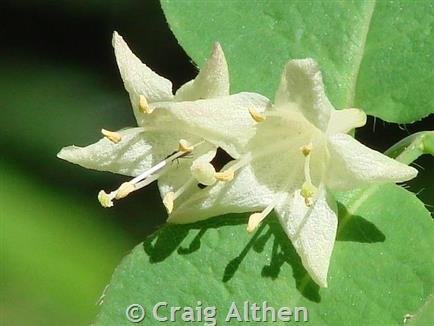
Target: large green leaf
[
  {"x": 381, "y": 268},
  {"x": 376, "y": 55}
]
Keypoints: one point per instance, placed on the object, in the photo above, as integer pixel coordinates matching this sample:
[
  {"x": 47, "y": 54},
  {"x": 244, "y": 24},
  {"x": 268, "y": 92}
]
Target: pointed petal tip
[
  {"x": 66, "y": 153},
  {"x": 217, "y": 47},
  {"x": 217, "y": 52},
  {"x": 61, "y": 153},
  {"x": 119, "y": 42},
  {"x": 320, "y": 280},
  {"x": 115, "y": 38}
]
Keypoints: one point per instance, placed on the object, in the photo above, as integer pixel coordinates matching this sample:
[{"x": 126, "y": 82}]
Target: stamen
[
  {"x": 144, "y": 106},
  {"x": 308, "y": 190},
  {"x": 114, "y": 137},
  {"x": 168, "y": 200},
  {"x": 257, "y": 116},
  {"x": 146, "y": 177},
  {"x": 225, "y": 176},
  {"x": 165, "y": 162},
  {"x": 256, "y": 218}
]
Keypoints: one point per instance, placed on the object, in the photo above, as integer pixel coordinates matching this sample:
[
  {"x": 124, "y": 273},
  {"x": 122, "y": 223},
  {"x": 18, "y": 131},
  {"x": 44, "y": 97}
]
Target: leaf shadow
[
  {"x": 282, "y": 251},
  {"x": 164, "y": 242},
  {"x": 357, "y": 229},
  {"x": 170, "y": 238}
]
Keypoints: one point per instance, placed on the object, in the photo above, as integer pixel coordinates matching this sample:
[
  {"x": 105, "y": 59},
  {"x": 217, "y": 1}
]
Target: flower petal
[
  {"x": 212, "y": 80},
  {"x": 223, "y": 121},
  {"x": 353, "y": 165},
  {"x": 138, "y": 78},
  {"x": 342, "y": 121},
  {"x": 302, "y": 89},
  {"x": 137, "y": 151},
  {"x": 312, "y": 231}
]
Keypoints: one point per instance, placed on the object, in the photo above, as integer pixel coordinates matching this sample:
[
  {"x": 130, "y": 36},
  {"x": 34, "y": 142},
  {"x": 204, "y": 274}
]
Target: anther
[
  {"x": 114, "y": 137},
  {"x": 257, "y": 116},
  {"x": 144, "y": 106},
  {"x": 124, "y": 190},
  {"x": 168, "y": 200},
  {"x": 184, "y": 146},
  {"x": 306, "y": 149},
  {"x": 254, "y": 220},
  {"x": 225, "y": 176}
]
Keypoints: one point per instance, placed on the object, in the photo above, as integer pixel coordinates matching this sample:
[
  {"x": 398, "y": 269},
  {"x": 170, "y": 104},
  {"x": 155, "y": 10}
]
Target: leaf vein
[{"x": 358, "y": 57}]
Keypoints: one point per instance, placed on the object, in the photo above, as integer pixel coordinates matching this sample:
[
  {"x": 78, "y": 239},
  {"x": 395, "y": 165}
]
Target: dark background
[{"x": 59, "y": 85}]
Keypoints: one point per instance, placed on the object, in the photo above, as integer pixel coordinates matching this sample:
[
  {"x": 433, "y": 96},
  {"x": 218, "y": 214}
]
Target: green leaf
[
  {"x": 381, "y": 268},
  {"x": 412, "y": 147},
  {"x": 375, "y": 55}
]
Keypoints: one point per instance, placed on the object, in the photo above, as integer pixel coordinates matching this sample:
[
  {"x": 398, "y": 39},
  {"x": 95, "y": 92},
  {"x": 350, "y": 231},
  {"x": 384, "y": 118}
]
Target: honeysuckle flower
[
  {"x": 300, "y": 151},
  {"x": 182, "y": 127}
]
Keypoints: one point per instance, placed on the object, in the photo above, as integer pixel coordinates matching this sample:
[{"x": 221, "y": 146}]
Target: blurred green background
[{"x": 59, "y": 85}]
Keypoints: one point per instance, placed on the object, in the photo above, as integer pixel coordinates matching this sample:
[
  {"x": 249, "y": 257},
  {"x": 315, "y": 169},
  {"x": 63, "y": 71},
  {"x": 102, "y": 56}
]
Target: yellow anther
[
  {"x": 168, "y": 200},
  {"x": 306, "y": 149},
  {"x": 105, "y": 199},
  {"x": 144, "y": 105},
  {"x": 254, "y": 220},
  {"x": 257, "y": 116},
  {"x": 184, "y": 146},
  {"x": 124, "y": 190},
  {"x": 114, "y": 137},
  {"x": 308, "y": 190},
  {"x": 226, "y": 176}
]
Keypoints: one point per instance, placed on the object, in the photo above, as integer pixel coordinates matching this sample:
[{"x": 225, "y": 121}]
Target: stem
[{"x": 410, "y": 148}]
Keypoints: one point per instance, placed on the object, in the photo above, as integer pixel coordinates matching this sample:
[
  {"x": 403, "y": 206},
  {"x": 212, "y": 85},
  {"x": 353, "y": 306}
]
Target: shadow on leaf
[
  {"x": 282, "y": 252},
  {"x": 357, "y": 229},
  {"x": 170, "y": 238}
]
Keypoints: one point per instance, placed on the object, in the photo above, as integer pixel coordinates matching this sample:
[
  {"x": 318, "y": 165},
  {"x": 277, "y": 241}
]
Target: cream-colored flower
[
  {"x": 300, "y": 150},
  {"x": 191, "y": 124}
]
